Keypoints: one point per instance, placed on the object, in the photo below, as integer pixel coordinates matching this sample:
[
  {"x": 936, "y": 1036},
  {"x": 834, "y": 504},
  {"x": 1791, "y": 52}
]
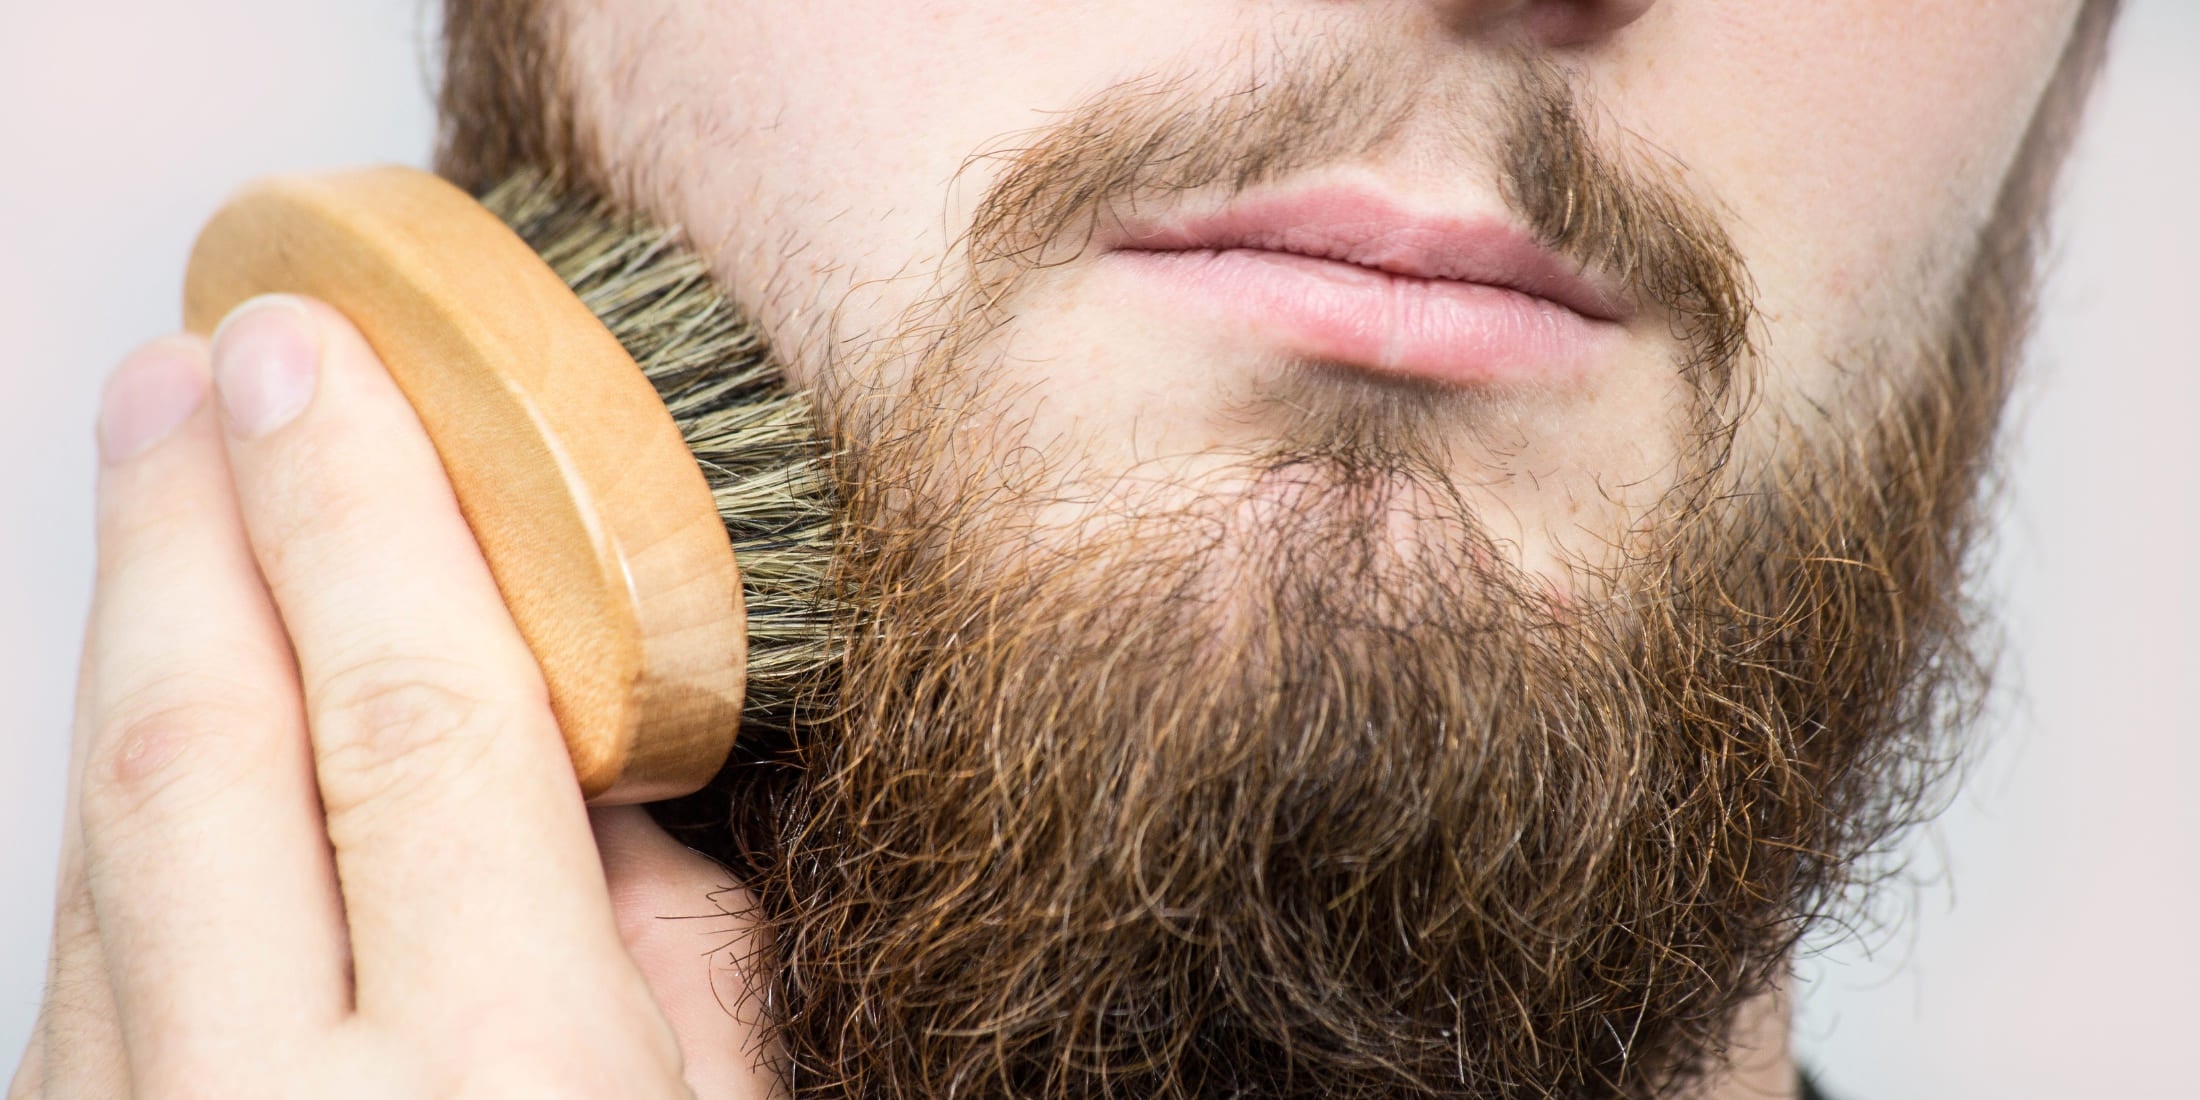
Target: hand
[{"x": 323, "y": 839}]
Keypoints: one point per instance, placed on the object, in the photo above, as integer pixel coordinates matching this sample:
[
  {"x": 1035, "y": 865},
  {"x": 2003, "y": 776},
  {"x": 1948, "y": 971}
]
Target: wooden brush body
[{"x": 601, "y": 531}]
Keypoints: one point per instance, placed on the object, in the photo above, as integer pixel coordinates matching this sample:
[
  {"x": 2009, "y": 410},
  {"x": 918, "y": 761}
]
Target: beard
[{"x": 1285, "y": 780}]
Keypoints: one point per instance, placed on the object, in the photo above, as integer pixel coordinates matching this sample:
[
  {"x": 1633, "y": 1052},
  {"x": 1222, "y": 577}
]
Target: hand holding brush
[{"x": 303, "y": 682}]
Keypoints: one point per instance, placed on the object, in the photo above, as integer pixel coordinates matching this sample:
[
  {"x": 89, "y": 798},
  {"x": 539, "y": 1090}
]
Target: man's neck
[{"x": 1763, "y": 1064}]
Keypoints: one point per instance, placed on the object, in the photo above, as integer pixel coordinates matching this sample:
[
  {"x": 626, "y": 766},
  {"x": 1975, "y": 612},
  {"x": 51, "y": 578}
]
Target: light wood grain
[{"x": 590, "y": 510}]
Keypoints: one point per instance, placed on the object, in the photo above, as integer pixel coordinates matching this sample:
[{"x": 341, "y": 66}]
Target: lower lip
[{"x": 1437, "y": 330}]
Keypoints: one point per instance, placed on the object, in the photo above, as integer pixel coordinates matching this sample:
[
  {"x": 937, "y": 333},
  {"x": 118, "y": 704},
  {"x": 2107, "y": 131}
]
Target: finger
[
  {"x": 693, "y": 932},
  {"x": 453, "y": 811},
  {"x": 76, "y": 1049},
  {"x": 207, "y": 871},
  {"x": 29, "y": 1081}
]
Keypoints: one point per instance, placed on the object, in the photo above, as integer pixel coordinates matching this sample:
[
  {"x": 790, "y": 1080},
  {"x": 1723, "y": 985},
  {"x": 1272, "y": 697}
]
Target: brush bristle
[{"x": 757, "y": 443}]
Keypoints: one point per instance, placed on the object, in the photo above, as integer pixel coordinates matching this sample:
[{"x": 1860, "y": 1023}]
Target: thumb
[{"x": 691, "y": 929}]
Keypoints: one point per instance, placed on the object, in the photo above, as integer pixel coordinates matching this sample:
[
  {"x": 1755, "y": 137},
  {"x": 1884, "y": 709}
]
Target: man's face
[
  {"x": 832, "y": 158},
  {"x": 1406, "y": 547}
]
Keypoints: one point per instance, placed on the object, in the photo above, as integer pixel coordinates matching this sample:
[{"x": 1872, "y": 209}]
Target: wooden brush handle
[{"x": 590, "y": 509}]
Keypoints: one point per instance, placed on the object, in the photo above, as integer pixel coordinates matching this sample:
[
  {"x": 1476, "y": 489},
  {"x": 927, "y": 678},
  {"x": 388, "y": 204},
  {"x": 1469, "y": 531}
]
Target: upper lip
[{"x": 1373, "y": 231}]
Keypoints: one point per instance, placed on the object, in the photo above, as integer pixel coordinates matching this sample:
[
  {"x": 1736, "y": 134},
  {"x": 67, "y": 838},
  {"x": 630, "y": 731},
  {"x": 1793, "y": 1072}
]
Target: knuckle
[
  {"x": 385, "y": 724},
  {"x": 166, "y": 743}
]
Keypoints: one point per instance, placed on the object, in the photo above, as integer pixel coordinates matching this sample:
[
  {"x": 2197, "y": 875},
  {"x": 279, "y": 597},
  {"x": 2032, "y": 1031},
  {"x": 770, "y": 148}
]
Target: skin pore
[{"x": 1576, "y": 599}]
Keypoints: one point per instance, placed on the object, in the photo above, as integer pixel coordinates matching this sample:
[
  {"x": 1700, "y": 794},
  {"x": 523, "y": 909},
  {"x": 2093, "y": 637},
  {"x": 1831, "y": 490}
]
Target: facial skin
[{"x": 1634, "y": 648}]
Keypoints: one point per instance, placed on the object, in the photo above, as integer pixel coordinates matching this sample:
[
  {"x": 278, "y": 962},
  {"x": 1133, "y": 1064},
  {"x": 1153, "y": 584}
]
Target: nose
[{"x": 1549, "y": 22}]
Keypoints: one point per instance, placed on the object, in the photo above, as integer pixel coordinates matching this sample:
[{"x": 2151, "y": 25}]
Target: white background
[{"x": 2052, "y": 950}]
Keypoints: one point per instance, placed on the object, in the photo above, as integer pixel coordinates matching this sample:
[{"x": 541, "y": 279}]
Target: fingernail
[
  {"x": 155, "y": 389},
  {"x": 267, "y": 355}
]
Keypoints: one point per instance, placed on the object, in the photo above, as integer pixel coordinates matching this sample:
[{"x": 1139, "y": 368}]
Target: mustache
[{"x": 1616, "y": 205}]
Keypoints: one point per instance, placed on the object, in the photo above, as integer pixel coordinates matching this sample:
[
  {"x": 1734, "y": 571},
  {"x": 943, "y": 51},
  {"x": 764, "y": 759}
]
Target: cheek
[{"x": 1857, "y": 145}]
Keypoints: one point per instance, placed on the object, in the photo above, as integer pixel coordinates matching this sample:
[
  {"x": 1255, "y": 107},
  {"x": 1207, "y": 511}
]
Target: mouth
[{"x": 1349, "y": 277}]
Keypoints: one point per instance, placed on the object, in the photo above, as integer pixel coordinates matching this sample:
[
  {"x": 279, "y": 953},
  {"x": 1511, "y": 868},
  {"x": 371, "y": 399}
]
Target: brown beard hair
[
  {"x": 1296, "y": 788},
  {"x": 1239, "y": 800}
]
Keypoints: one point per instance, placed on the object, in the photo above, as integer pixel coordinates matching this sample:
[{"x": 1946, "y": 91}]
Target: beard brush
[{"x": 653, "y": 501}]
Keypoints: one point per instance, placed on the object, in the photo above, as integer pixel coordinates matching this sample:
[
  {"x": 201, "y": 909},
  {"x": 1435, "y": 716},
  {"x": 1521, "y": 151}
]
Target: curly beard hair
[{"x": 1285, "y": 783}]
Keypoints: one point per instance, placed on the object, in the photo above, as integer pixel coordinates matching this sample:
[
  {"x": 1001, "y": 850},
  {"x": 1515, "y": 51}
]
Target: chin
[{"x": 1286, "y": 780}]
